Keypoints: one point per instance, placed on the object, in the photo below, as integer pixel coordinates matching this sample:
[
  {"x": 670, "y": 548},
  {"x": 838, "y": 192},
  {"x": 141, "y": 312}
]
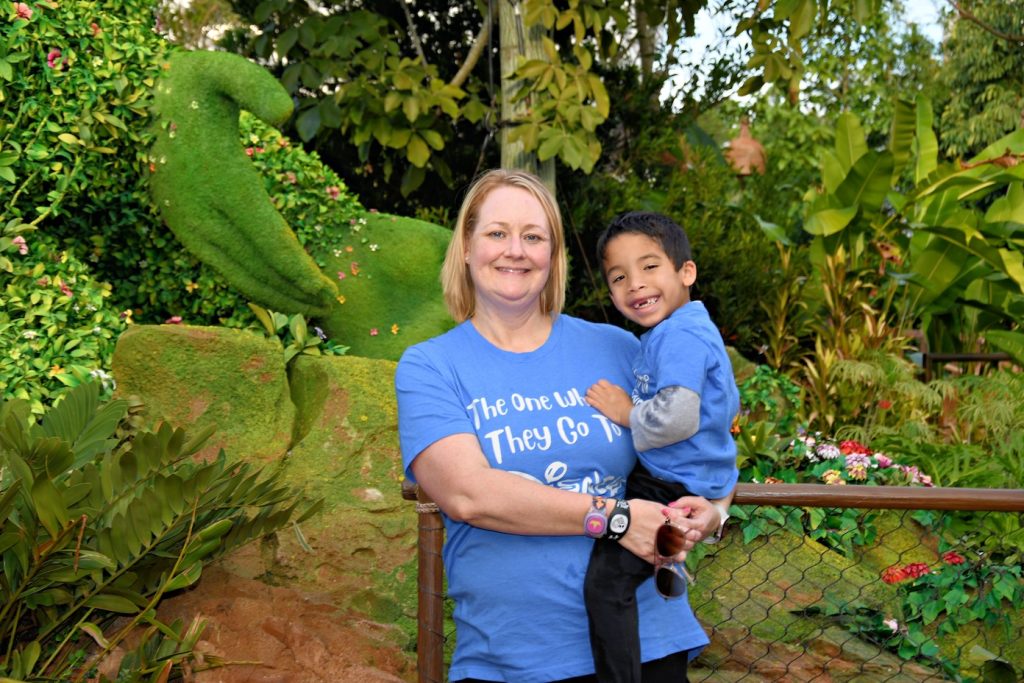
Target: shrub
[
  {"x": 101, "y": 521},
  {"x": 57, "y": 324}
]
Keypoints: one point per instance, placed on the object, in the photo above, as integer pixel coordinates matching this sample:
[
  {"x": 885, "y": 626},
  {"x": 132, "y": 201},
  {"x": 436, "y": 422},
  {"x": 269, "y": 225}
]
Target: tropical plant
[{"x": 101, "y": 520}]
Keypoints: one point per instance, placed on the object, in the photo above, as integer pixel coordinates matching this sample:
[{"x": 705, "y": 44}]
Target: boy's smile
[{"x": 644, "y": 283}]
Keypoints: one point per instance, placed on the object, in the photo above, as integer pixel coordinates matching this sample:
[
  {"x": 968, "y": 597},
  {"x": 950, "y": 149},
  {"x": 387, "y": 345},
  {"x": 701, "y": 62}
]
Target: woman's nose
[{"x": 514, "y": 246}]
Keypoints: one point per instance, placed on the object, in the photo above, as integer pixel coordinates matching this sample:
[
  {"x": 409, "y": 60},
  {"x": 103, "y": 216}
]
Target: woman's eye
[
  {"x": 496, "y": 234},
  {"x": 533, "y": 238}
]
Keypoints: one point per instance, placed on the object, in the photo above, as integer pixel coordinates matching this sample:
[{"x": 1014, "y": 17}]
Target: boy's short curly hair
[{"x": 659, "y": 227}]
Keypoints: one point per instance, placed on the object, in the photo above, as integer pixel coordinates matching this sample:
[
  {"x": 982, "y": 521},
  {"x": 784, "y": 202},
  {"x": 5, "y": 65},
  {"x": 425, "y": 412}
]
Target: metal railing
[{"x": 786, "y": 607}]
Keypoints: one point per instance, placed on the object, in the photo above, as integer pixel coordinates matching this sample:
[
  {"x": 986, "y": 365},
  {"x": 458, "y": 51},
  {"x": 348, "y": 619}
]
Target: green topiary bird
[{"x": 210, "y": 195}]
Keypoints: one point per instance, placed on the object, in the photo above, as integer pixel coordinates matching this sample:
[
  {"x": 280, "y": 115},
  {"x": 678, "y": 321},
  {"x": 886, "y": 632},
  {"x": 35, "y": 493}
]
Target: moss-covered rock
[
  {"x": 364, "y": 543},
  {"x": 197, "y": 376}
]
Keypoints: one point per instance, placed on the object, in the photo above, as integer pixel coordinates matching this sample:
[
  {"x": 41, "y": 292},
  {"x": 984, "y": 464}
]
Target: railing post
[{"x": 430, "y": 580}]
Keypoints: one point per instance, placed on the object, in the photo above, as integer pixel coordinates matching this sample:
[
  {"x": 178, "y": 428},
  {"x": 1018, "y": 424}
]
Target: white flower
[
  {"x": 893, "y": 625},
  {"x": 30, "y": 334},
  {"x": 374, "y": 247}
]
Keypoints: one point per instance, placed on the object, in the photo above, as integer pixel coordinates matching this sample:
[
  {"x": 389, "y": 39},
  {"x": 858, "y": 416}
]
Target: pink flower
[
  {"x": 374, "y": 332},
  {"x": 953, "y": 557},
  {"x": 53, "y": 58},
  {"x": 341, "y": 275},
  {"x": 291, "y": 178},
  {"x": 858, "y": 472},
  {"x": 892, "y": 625},
  {"x": 173, "y": 320},
  {"x": 249, "y": 151},
  {"x": 22, "y": 245},
  {"x": 333, "y": 191},
  {"x": 65, "y": 290},
  {"x": 883, "y": 460},
  {"x": 23, "y": 10}
]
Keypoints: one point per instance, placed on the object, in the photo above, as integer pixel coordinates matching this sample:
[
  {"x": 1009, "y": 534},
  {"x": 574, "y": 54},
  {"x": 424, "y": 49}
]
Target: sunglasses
[{"x": 670, "y": 578}]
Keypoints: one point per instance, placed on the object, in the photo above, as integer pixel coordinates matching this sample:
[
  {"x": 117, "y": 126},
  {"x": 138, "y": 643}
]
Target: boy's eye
[
  {"x": 650, "y": 266},
  {"x": 616, "y": 278}
]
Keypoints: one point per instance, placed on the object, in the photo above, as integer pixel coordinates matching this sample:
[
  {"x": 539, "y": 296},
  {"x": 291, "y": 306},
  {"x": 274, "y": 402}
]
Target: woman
[{"x": 494, "y": 427}]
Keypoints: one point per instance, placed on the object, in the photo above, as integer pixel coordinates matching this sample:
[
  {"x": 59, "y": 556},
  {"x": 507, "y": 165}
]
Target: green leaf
[
  {"x": 926, "y": 144},
  {"x": 417, "y": 151},
  {"x": 829, "y": 221},
  {"x": 850, "y": 140},
  {"x": 901, "y": 136},
  {"x": 185, "y": 578},
  {"x": 308, "y": 124},
  {"x": 868, "y": 181},
  {"x": 286, "y": 41},
  {"x": 112, "y": 603},
  {"x": 1009, "y": 208},
  {"x": 1008, "y": 342},
  {"x": 95, "y": 632},
  {"x": 49, "y": 506}
]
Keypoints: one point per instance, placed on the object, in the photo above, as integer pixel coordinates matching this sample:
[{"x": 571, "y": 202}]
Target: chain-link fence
[{"x": 833, "y": 583}]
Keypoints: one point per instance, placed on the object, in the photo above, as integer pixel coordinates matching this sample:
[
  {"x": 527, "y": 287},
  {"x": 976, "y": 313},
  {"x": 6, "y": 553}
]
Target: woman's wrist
[{"x": 607, "y": 518}]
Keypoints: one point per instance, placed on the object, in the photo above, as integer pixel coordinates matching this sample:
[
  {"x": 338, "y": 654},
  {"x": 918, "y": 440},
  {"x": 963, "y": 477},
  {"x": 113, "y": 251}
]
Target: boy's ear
[{"x": 688, "y": 273}]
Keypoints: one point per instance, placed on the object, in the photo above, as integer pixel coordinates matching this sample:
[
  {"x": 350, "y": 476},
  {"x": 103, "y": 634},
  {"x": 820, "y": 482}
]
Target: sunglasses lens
[
  {"x": 668, "y": 583},
  {"x": 669, "y": 540}
]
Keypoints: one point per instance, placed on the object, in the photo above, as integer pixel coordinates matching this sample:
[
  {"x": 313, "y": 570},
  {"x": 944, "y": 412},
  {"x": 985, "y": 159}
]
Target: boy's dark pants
[{"x": 609, "y": 590}]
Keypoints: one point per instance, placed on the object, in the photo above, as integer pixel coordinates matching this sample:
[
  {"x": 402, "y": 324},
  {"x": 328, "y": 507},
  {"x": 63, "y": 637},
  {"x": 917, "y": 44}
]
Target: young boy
[{"x": 680, "y": 413}]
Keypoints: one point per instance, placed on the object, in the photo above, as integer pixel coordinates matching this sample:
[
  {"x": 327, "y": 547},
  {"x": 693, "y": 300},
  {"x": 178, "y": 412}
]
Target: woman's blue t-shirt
[{"x": 519, "y": 609}]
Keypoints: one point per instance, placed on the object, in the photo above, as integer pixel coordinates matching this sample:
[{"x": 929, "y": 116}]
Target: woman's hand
[
  {"x": 695, "y": 514},
  {"x": 645, "y": 518}
]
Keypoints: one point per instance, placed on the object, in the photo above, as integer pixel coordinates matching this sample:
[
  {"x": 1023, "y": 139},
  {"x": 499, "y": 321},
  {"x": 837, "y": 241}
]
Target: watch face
[
  {"x": 595, "y": 524},
  {"x": 618, "y": 524}
]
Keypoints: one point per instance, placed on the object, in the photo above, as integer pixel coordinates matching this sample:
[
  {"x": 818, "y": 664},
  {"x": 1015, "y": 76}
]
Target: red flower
[
  {"x": 885, "y": 404},
  {"x": 96, "y": 30},
  {"x": 851, "y": 446},
  {"x": 53, "y": 58},
  {"x": 65, "y": 290},
  {"x": 894, "y": 574},
  {"x": 953, "y": 557},
  {"x": 916, "y": 569}
]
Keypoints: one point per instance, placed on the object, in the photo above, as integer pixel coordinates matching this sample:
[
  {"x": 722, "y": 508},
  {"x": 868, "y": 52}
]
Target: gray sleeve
[{"x": 672, "y": 415}]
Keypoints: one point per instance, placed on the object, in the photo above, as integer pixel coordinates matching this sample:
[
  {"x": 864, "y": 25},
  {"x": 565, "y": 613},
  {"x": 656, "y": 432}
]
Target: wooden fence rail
[{"x": 430, "y": 639}]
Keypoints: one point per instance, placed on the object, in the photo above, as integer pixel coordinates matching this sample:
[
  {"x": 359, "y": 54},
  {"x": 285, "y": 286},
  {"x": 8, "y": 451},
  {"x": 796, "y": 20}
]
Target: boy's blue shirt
[{"x": 687, "y": 350}]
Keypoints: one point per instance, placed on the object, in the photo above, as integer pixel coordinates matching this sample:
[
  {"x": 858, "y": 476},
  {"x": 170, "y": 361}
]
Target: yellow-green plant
[{"x": 100, "y": 521}]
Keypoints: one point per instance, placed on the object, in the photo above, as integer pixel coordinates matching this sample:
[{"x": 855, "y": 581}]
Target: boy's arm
[{"x": 672, "y": 415}]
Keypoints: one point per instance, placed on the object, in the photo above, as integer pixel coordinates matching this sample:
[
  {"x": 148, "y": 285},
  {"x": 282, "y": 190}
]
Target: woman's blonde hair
[{"x": 459, "y": 293}]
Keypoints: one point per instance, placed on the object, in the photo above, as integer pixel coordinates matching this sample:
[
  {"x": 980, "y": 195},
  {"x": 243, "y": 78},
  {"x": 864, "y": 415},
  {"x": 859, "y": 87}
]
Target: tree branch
[
  {"x": 413, "y": 33},
  {"x": 474, "y": 52},
  {"x": 966, "y": 14}
]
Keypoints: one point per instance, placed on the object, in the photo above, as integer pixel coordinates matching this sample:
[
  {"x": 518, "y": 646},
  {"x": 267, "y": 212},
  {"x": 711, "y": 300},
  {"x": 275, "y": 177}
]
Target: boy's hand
[{"x": 613, "y": 401}]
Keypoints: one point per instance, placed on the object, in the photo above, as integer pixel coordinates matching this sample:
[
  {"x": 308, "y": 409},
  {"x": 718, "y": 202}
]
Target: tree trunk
[{"x": 516, "y": 41}]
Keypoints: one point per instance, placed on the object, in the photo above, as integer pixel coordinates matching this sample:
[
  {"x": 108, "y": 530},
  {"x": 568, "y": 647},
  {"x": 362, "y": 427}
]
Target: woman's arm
[{"x": 454, "y": 472}]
